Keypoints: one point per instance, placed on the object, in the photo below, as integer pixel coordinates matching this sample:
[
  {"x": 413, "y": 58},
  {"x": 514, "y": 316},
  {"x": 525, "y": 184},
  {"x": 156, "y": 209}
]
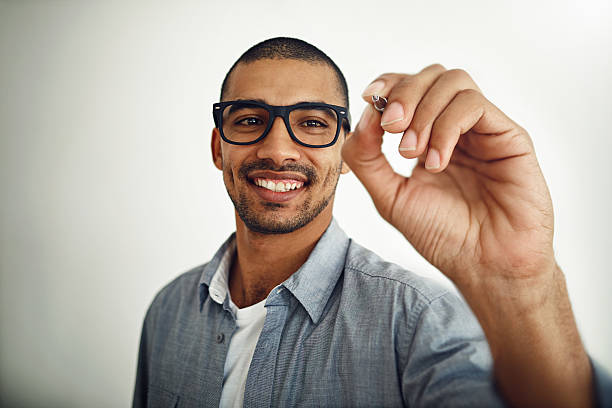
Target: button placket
[{"x": 260, "y": 378}]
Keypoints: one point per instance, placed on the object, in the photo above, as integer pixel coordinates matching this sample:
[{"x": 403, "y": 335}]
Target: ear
[
  {"x": 345, "y": 168},
  {"x": 215, "y": 148}
]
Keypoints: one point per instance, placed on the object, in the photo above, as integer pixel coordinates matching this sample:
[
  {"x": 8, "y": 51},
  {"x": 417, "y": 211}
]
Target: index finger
[
  {"x": 384, "y": 84},
  {"x": 381, "y": 86}
]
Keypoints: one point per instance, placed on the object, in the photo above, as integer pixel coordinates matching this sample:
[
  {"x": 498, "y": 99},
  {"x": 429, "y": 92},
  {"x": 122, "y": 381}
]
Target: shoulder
[
  {"x": 371, "y": 270},
  {"x": 180, "y": 291},
  {"x": 422, "y": 311}
]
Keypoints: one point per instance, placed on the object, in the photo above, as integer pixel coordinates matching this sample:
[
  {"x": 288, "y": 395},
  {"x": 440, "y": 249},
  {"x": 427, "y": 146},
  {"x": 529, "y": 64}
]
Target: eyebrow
[
  {"x": 263, "y": 101},
  {"x": 234, "y": 108}
]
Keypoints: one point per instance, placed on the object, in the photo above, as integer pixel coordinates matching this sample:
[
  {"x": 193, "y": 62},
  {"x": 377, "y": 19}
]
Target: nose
[{"x": 278, "y": 145}]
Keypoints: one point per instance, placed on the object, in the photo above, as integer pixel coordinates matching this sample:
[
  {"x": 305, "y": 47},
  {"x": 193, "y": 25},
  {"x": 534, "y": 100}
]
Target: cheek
[
  {"x": 330, "y": 172},
  {"x": 230, "y": 164},
  {"x": 229, "y": 173}
]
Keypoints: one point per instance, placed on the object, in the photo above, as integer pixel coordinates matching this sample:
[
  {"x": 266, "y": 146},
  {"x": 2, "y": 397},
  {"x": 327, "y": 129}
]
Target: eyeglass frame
[{"x": 344, "y": 119}]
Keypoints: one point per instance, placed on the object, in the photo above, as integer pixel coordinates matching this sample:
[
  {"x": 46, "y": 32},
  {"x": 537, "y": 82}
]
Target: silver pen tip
[{"x": 379, "y": 102}]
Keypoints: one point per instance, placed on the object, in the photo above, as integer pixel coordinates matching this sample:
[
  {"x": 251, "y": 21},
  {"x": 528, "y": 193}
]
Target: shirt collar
[
  {"x": 312, "y": 284},
  {"x": 222, "y": 259},
  {"x": 219, "y": 284}
]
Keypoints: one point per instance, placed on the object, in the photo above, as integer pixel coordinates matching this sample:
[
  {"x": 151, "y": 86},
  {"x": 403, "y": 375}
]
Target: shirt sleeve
[
  {"x": 449, "y": 362},
  {"x": 603, "y": 385}
]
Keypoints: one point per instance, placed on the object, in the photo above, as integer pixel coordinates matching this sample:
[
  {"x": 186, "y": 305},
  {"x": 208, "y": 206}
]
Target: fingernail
[
  {"x": 373, "y": 88},
  {"x": 432, "y": 161},
  {"x": 394, "y": 112},
  {"x": 409, "y": 141}
]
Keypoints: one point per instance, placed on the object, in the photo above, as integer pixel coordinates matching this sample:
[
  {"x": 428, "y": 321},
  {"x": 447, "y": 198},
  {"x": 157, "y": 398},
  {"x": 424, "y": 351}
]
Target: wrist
[
  {"x": 539, "y": 358},
  {"x": 519, "y": 291}
]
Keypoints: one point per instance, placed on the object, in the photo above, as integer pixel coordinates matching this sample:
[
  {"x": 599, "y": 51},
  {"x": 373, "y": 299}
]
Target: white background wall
[{"x": 108, "y": 191}]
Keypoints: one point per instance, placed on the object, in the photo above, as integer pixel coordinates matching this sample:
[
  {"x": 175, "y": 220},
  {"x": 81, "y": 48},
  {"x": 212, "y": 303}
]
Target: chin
[
  {"x": 273, "y": 217},
  {"x": 277, "y": 227}
]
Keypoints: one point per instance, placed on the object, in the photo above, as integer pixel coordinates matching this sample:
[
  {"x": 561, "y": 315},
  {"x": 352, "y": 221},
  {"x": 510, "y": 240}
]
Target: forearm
[{"x": 539, "y": 359}]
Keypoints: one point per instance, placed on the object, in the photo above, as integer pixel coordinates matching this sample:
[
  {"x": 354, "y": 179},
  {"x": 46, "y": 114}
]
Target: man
[{"x": 290, "y": 311}]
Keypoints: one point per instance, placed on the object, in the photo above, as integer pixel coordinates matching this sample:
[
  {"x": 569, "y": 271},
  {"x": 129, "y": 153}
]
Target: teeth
[{"x": 280, "y": 186}]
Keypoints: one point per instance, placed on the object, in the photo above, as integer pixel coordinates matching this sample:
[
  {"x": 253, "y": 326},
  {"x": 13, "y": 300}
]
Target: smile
[{"x": 279, "y": 186}]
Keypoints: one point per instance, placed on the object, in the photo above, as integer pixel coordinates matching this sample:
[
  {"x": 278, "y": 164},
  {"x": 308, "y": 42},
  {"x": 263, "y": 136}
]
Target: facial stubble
[{"x": 268, "y": 220}]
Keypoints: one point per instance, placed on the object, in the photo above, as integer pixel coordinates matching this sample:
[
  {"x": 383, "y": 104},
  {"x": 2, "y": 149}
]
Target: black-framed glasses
[{"x": 310, "y": 124}]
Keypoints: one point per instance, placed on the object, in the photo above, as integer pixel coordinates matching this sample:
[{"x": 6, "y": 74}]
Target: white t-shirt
[{"x": 250, "y": 321}]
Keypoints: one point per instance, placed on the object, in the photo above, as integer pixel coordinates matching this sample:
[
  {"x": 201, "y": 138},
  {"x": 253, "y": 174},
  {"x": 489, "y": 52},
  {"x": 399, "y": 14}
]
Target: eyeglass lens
[{"x": 245, "y": 123}]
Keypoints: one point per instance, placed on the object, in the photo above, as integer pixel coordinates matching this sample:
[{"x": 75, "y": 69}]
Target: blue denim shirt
[{"x": 346, "y": 329}]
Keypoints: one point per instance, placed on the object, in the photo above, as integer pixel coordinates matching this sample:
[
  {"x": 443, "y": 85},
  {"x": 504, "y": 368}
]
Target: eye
[
  {"x": 313, "y": 123},
  {"x": 251, "y": 121}
]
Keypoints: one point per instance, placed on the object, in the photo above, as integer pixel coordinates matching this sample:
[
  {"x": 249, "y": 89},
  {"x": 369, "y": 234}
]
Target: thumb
[{"x": 362, "y": 152}]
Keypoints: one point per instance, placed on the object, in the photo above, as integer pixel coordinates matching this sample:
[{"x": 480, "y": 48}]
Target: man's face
[{"x": 251, "y": 173}]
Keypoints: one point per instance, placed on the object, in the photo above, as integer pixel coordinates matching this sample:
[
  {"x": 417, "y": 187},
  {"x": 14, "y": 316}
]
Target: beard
[{"x": 270, "y": 221}]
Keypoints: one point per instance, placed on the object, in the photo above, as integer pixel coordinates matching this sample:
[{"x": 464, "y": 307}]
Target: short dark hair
[{"x": 288, "y": 48}]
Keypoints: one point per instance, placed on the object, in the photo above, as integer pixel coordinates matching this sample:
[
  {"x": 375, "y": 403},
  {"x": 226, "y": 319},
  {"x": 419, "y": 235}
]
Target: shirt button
[
  {"x": 279, "y": 290},
  {"x": 220, "y": 337}
]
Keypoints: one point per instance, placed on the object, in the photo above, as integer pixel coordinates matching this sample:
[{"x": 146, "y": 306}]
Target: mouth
[{"x": 277, "y": 187}]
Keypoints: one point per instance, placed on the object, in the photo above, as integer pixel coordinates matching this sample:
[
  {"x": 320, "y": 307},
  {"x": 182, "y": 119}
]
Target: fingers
[
  {"x": 406, "y": 95},
  {"x": 438, "y": 96},
  {"x": 362, "y": 152},
  {"x": 433, "y": 109},
  {"x": 403, "y": 93},
  {"x": 465, "y": 110},
  {"x": 474, "y": 116},
  {"x": 383, "y": 85}
]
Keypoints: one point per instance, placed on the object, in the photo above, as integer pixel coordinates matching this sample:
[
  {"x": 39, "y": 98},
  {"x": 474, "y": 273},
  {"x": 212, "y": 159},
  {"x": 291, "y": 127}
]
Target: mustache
[{"x": 306, "y": 170}]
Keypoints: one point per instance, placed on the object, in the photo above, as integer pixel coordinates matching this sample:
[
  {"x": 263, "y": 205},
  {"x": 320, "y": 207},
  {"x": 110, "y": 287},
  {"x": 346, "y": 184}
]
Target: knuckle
[
  {"x": 419, "y": 125},
  {"x": 444, "y": 141},
  {"x": 469, "y": 93},
  {"x": 457, "y": 74},
  {"x": 440, "y": 129},
  {"x": 435, "y": 67},
  {"x": 405, "y": 90},
  {"x": 435, "y": 131},
  {"x": 387, "y": 76},
  {"x": 423, "y": 117},
  {"x": 407, "y": 81}
]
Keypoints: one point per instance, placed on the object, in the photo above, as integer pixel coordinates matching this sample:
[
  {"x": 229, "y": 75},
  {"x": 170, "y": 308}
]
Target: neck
[{"x": 263, "y": 261}]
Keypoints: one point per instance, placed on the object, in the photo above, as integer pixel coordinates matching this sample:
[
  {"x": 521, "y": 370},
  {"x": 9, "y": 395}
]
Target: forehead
[{"x": 284, "y": 82}]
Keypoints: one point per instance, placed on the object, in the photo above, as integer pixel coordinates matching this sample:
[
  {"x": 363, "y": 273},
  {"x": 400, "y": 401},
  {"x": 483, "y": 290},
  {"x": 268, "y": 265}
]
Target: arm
[{"x": 477, "y": 207}]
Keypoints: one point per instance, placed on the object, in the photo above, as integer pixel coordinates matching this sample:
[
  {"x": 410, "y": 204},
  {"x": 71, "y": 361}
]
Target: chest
[{"x": 340, "y": 361}]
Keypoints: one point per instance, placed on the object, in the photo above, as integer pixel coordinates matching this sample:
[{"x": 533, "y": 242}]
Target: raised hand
[{"x": 477, "y": 207}]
